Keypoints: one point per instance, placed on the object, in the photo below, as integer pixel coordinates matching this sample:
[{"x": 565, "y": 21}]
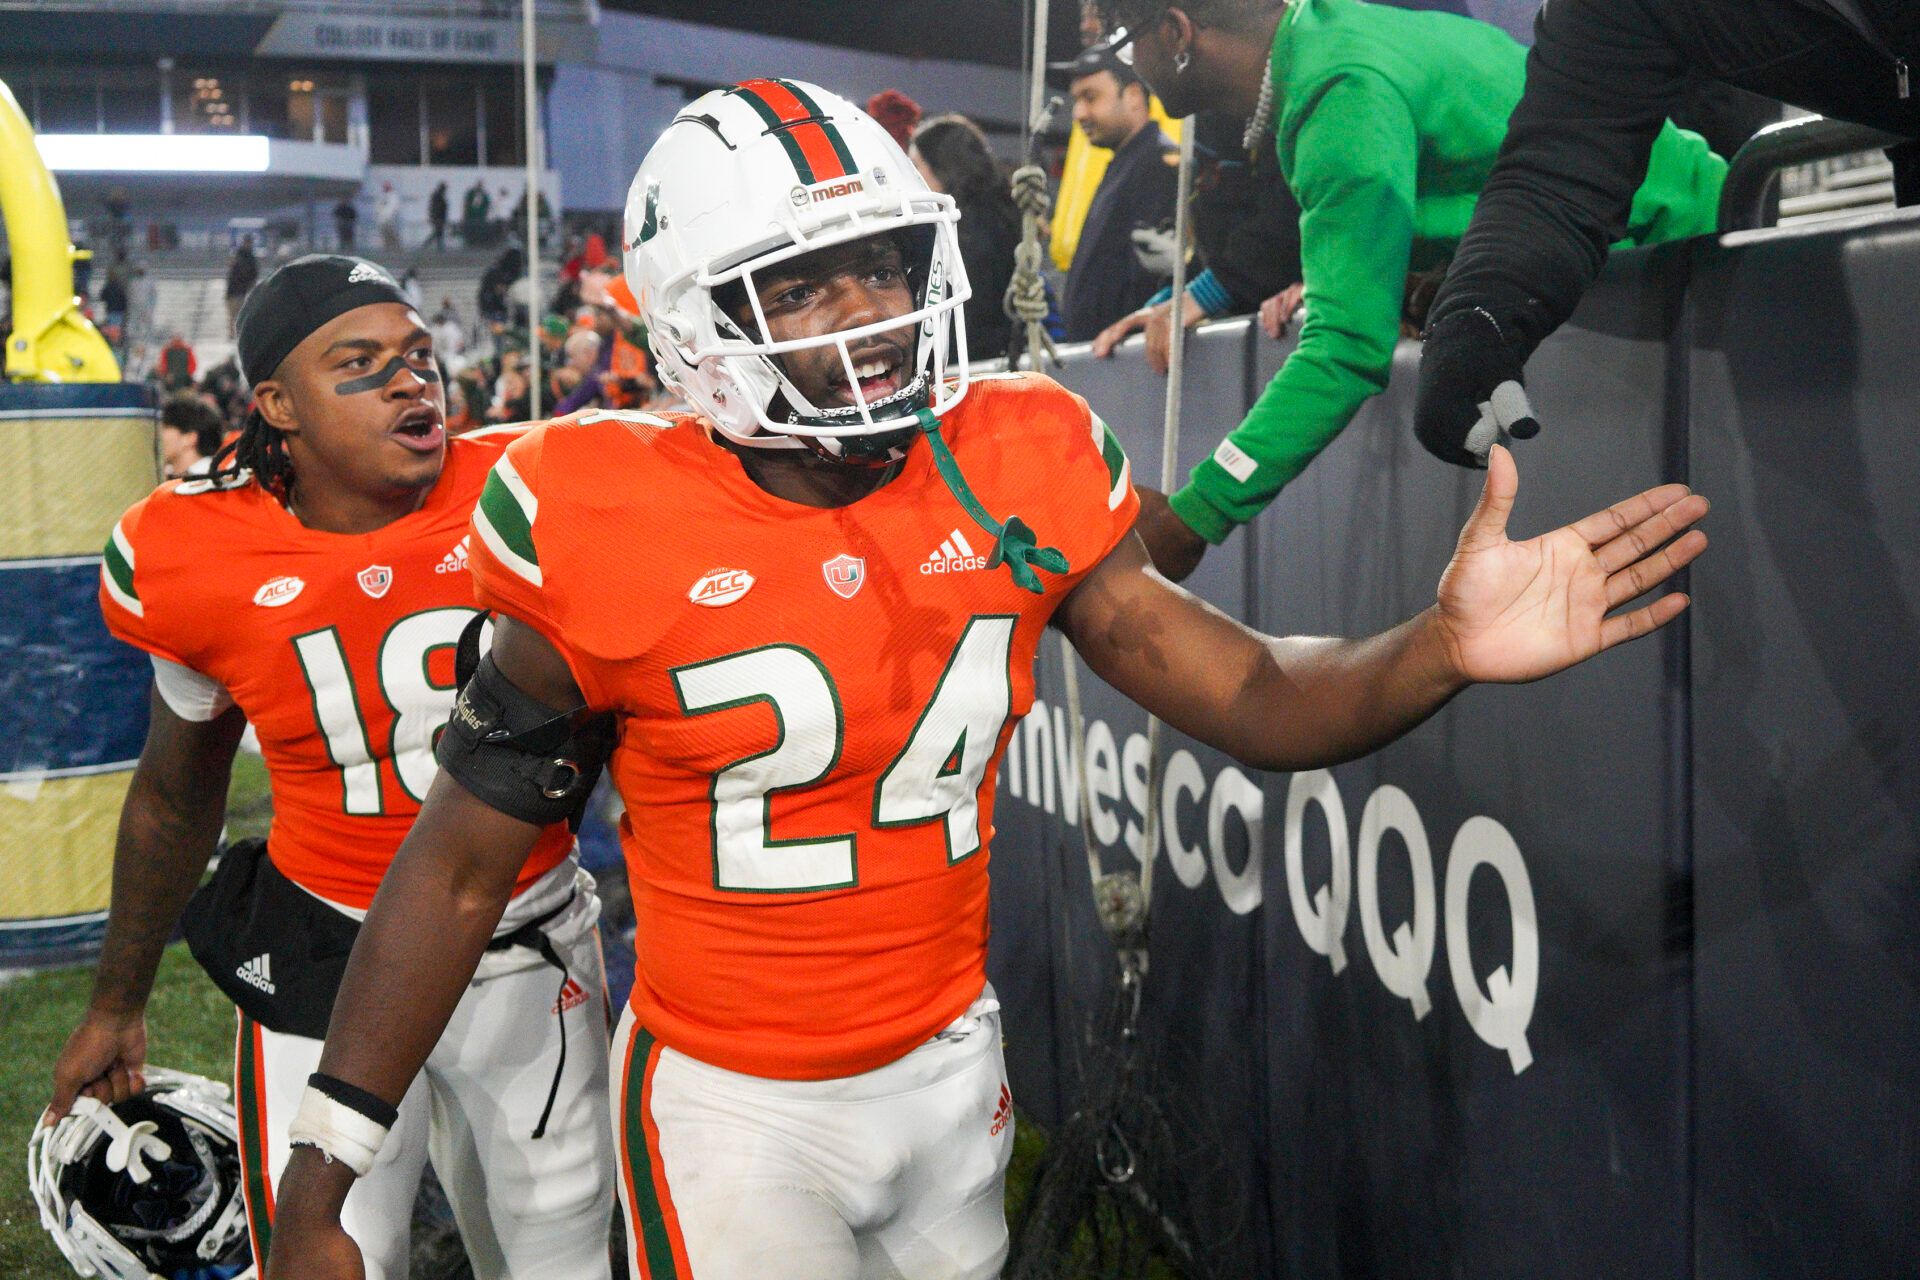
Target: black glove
[{"x": 1471, "y": 393}]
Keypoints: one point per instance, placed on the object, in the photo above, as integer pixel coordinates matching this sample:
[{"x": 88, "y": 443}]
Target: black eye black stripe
[{"x": 382, "y": 376}]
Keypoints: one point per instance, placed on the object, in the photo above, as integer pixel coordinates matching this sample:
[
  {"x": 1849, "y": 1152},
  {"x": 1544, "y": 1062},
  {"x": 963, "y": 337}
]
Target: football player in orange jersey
[
  {"x": 315, "y": 587},
  {"x": 815, "y": 636}
]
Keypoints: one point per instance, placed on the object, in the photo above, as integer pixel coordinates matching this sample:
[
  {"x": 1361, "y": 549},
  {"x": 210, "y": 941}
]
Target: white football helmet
[
  {"x": 149, "y": 1189},
  {"x": 754, "y": 175}
]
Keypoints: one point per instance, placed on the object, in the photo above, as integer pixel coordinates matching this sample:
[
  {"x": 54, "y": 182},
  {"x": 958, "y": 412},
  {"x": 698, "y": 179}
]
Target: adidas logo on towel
[
  {"x": 1002, "y": 1113},
  {"x": 954, "y": 555},
  {"x": 258, "y": 972},
  {"x": 455, "y": 561}
]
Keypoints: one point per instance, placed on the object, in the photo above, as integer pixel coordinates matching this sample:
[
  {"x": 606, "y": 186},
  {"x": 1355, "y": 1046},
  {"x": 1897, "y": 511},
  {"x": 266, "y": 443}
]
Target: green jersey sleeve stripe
[
  {"x": 504, "y": 520},
  {"x": 511, "y": 516},
  {"x": 116, "y": 571},
  {"x": 1119, "y": 470}
]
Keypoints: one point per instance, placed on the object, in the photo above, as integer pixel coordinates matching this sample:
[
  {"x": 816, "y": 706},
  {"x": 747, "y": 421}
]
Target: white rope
[{"x": 1169, "y": 466}]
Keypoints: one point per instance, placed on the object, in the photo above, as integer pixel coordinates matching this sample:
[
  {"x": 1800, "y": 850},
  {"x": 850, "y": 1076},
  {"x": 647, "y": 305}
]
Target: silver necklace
[{"x": 1260, "y": 123}]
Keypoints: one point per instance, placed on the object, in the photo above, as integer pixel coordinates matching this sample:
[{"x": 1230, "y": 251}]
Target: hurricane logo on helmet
[{"x": 746, "y": 179}]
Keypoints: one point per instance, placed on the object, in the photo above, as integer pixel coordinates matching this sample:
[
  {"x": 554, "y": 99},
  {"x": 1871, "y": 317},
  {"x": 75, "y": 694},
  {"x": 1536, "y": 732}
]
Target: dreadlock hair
[{"x": 260, "y": 450}]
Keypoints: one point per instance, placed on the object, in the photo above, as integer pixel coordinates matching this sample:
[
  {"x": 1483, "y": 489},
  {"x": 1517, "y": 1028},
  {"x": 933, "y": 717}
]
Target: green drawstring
[{"x": 1014, "y": 543}]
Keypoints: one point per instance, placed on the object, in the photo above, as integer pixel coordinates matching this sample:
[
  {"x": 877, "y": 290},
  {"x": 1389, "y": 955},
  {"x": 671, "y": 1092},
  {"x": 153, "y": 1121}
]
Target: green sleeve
[{"x": 1353, "y": 169}]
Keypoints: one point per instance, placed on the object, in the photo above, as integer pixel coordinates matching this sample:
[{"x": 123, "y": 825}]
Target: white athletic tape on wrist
[{"x": 337, "y": 1130}]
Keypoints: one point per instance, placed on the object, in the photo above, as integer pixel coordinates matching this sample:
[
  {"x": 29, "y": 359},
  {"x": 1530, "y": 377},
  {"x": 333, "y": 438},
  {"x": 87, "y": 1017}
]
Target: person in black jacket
[
  {"x": 952, "y": 154},
  {"x": 1246, "y": 231},
  {"x": 1602, "y": 77},
  {"x": 1106, "y": 279}
]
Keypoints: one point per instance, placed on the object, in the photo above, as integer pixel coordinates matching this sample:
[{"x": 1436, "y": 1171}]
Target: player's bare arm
[
  {"x": 1506, "y": 612},
  {"x": 422, "y": 939},
  {"x": 169, "y": 826}
]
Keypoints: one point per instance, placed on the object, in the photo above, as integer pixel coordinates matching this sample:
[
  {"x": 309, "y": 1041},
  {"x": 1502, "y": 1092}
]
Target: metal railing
[{"x": 1755, "y": 170}]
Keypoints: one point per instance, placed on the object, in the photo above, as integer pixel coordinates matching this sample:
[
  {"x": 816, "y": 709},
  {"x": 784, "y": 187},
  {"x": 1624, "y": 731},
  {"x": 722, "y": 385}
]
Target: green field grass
[{"x": 190, "y": 1027}]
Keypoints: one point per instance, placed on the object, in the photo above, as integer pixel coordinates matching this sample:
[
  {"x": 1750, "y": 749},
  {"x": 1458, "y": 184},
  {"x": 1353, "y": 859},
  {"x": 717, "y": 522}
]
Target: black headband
[{"x": 299, "y": 298}]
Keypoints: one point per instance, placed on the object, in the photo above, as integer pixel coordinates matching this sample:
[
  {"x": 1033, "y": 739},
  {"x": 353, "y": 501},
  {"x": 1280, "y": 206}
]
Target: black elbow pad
[{"x": 520, "y": 756}]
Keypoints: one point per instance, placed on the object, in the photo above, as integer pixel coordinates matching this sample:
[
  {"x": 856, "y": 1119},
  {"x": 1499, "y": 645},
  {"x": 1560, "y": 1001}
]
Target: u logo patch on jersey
[
  {"x": 375, "y": 579},
  {"x": 846, "y": 575}
]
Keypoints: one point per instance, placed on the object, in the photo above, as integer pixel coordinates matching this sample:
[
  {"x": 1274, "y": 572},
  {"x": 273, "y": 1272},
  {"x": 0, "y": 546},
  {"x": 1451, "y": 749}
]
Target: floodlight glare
[{"x": 152, "y": 153}]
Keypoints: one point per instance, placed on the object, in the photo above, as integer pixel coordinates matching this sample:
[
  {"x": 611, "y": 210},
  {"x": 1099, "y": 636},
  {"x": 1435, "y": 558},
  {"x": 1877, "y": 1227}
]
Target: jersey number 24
[{"x": 936, "y": 775}]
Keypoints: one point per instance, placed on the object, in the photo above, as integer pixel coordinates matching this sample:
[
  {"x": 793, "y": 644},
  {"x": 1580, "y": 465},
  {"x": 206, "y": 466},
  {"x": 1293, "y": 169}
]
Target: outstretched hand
[{"x": 1517, "y": 611}]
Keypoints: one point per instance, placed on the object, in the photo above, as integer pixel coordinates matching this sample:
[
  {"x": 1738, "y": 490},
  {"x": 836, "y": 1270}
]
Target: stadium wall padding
[
  {"x": 1648, "y": 1008},
  {"x": 75, "y": 699}
]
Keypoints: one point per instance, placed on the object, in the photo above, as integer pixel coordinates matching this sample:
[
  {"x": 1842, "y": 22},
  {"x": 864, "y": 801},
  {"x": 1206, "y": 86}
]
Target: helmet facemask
[{"x": 868, "y": 431}]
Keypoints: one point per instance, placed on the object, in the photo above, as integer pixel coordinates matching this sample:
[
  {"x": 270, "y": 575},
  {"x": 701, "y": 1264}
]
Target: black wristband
[{"x": 354, "y": 1098}]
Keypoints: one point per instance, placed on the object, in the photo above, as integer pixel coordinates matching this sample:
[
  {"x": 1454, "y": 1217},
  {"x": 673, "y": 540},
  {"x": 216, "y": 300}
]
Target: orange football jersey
[
  {"x": 812, "y": 705},
  {"x": 337, "y": 647}
]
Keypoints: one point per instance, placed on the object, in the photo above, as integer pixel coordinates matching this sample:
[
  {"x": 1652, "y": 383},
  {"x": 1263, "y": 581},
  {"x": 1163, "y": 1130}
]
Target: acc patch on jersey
[
  {"x": 846, "y": 575},
  {"x": 721, "y": 586},
  {"x": 278, "y": 592}
]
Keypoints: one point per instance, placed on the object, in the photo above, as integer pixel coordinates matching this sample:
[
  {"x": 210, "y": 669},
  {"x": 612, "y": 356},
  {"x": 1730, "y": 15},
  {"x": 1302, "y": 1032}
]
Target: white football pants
[
  {"x": 526, "y": 1208},
  {"x": 897, "y": 1174}
]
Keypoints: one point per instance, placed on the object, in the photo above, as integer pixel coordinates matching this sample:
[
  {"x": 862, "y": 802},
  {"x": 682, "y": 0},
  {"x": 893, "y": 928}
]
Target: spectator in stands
[
  {"x": 176, "y": 365},
  {"x": 476, "y": 208},
  {"x": 410, "y": 286},
  {"x": 449, "y": 335},
  {"x": 585, "y": 354},
  {"x": 952, "y": 154},
  {"x": 1602, "y": 76},
  {"x": 344, "y": 218},
  {"x": 495, "y": 281},
  {"x": 190, "y": 432},
  {"x": 512, "y": 391},
  {"x": 1107, "y": 280},
  {"x": 898, "y": 114},
  {"x": 437, "y": 217},
  {"x": 243, "y": 271},
  {"x": 113, "y": 294},
  {"x": 1246, "y": 236},
  {"x": 386, "y": 216},
  {"x": 1385, "y": 123}
]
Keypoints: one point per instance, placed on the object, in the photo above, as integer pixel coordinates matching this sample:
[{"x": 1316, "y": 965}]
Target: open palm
[{"x": 1517, "y": 611}]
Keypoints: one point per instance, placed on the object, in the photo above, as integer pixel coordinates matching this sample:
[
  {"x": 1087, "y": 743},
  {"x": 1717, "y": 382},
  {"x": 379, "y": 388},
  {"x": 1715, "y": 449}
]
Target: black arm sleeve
[{"x": 1601, "y": 80}]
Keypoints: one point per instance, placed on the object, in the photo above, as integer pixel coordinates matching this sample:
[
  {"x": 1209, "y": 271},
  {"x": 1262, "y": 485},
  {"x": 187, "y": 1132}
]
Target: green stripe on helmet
[
  {"x": 825, "y": 122},
  {"x": 778, "y": 128}
]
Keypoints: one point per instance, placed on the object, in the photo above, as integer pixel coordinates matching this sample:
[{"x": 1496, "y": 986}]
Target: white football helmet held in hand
[
  {"x": 752, "y": 176},
  {"x": 149, "y": 1189}
]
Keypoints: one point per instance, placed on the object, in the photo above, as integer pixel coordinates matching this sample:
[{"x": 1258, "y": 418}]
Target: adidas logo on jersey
[
  {"x": 1003, "y": 1113},
  {"x": 258, "y": 972},
  {"x": 955, "y": 555},
  {"x": 455, "y": 561},
  {"x": 572, "y": 996}
]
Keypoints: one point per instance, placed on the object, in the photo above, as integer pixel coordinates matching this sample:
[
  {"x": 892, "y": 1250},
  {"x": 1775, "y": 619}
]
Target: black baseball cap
[
  {"x": 1092, "y": 60},
  {"x": 300, "y": 297}
]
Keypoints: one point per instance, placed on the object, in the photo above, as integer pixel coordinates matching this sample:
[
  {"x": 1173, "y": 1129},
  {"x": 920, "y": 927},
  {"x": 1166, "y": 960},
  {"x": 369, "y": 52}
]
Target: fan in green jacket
[{"x": 1386, "y": 122}]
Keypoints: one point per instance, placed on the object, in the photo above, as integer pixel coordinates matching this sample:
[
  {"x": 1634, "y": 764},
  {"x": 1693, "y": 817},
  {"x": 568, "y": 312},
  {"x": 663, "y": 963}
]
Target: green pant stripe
[
  {"x": 647, "y": 1209},
  {"x": 253, "y": 1145}
]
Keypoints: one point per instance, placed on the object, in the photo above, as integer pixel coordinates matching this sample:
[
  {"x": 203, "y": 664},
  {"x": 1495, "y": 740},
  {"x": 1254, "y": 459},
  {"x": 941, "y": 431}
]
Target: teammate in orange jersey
[
  {"x": 813, "y": 612},
  {"x": 315, "y": 587}
]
